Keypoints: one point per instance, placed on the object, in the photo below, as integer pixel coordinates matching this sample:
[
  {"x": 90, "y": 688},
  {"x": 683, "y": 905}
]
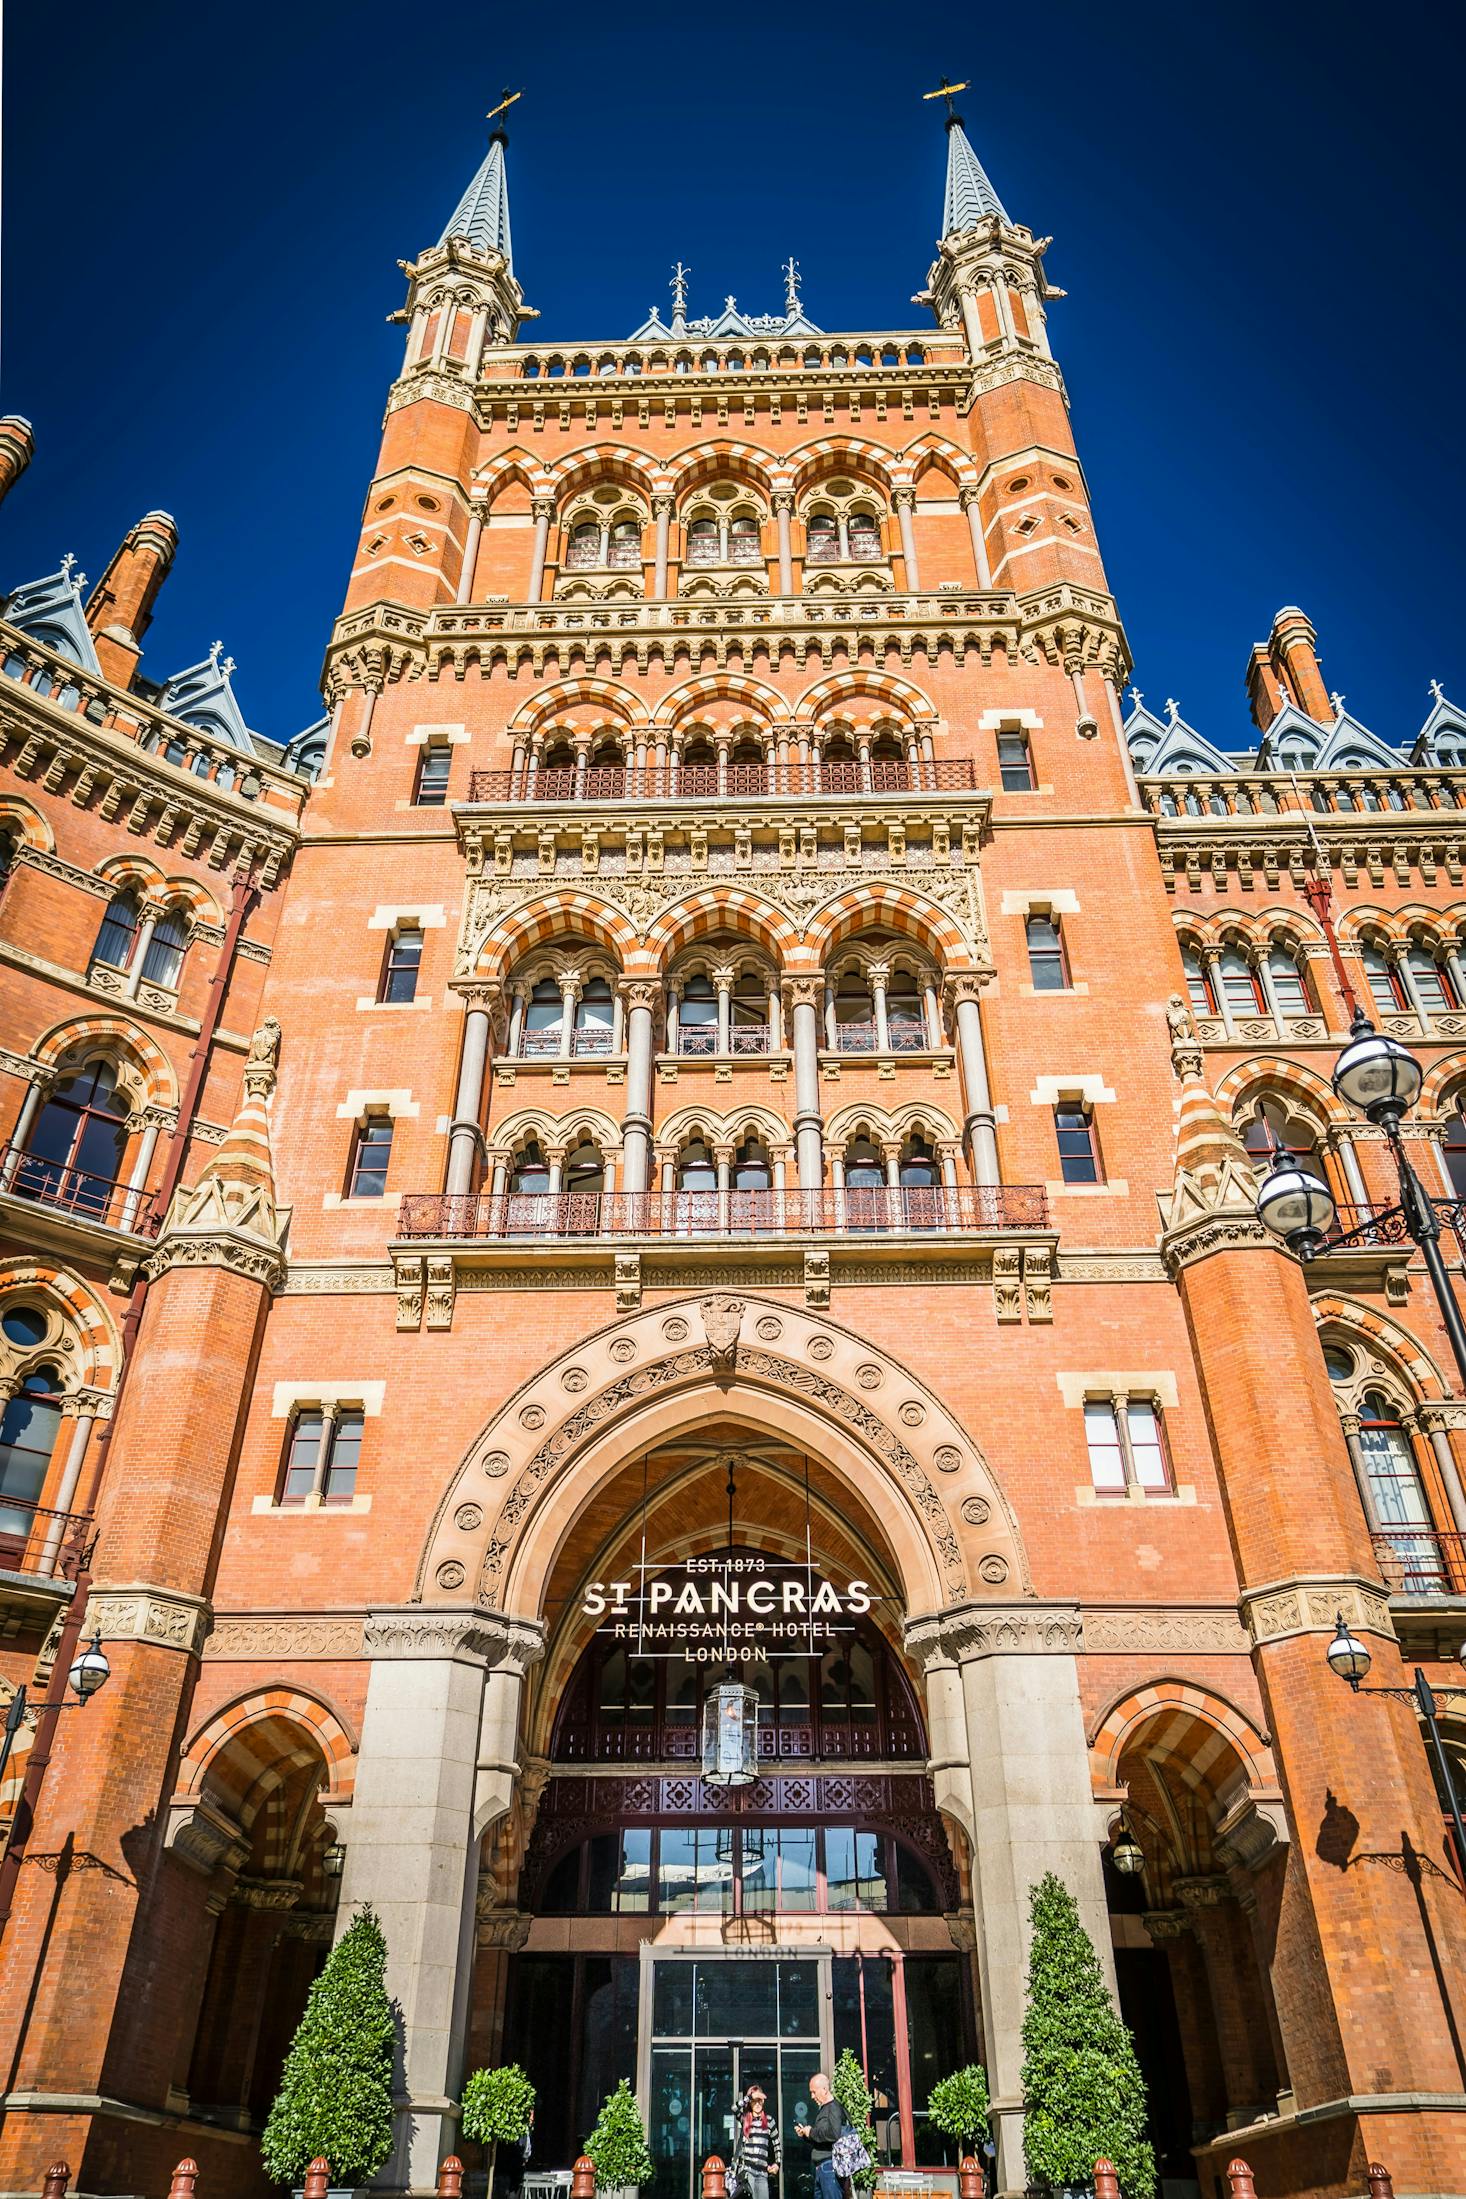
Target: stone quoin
[{"x": 721, "y": 1086}]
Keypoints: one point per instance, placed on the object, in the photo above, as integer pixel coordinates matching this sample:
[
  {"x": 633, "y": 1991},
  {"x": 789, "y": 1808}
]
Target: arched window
[
  {"x": 582, "y": 1180},
  {"x": 822, "y": 536},
  {"x": 585, "y": 1171},
  {"x": 905, "y": 1014},
  {"x": 1432, "y": 982},
  {"x": 531, "y": 1173},
  {"x": 76, "y": 1148},
  {"x": 1270, "y": 1130},
  {"x": 703, "y": 543},
  {"x": 585, "y": 545},
  {"x": 696, "y": 1168},
  {"x": 697, "y": 1017},
  {"x": 749, "y": 1010},
  {"x": 865, "y": 1183},
  {"x": 743, "y": 542},
  {"x": 1240, "y": 987},
  {"x": 543, "y": 1019},
  {"x": 594, "y": 1017},
  {"x": 626, "y": 544},
  {"x": 919, "y": 1170},
  {"x": 865, "y": 535},
  {"x": 28, "y": 1431},
  {"x": 118, "y": 935},
  {"x": 855, "y": 1029},
  {"x": 8, "y": 845},
  {"x": 1290, "y": 988},
  {"x": 1385, "y": 985},
  {"x": 163, "y": 962},
  {"x": 1198, "y": 983},
  {"x": 1410, "y": 1548},
  {"x": 1453, "y": 1145}
]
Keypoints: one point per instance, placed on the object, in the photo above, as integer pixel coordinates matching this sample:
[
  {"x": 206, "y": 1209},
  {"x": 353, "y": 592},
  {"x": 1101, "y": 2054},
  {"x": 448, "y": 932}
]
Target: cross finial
[
  {"x": 1173, "y": 708},
  {"x": 507, "y": 101},
  {"x": 1135, "y": 696},
  {"x": 67, "y": 562},
  {"x": 679, "y": 288},
  {"x": 791, "y": 286},
  {"x": 946, "y": 91},
  {"x": 1338, "y": 702},
  {"x": 216, "y": 650},
  {"x": 1437, "y": 690},
  {"x": 227, "y": 666}
]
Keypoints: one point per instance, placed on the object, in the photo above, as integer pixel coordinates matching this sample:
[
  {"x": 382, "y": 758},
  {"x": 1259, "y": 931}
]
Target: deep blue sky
[{"x": 1257, "y": 213}]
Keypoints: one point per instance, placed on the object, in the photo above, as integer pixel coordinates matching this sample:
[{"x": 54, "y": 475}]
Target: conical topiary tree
[
  {"x": 1083, "y": 2094},
  {"x": 853, "y": 2093},
  {"x": 618, "y": 2144},
  {"x": 335, "y": 2096}
]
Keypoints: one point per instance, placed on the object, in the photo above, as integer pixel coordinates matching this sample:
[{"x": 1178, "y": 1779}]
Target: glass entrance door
[{"x": 711, "y": 2026}]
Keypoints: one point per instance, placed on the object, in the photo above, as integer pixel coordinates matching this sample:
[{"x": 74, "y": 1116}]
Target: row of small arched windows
[{"x": 581, "y": 367}]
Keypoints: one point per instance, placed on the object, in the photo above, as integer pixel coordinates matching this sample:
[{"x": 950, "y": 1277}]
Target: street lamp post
[
  {"x": 1351, "y": 1659},
  {"x": 89, "y": 1672},
  {"x": 1377, "y": 1077}
]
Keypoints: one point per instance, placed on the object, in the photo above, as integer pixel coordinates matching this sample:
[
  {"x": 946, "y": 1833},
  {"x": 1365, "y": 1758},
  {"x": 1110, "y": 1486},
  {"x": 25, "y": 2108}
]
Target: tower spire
[
  {"x": 481, "y": 216},
  {"x": 970, "y": 198}
]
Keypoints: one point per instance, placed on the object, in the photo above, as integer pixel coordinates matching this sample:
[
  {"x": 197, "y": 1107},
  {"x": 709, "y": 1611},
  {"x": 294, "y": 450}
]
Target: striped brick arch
[
  {"x": 548, "y": 918},
  {"x": 719, "y": 909},
  {"x": 1266, "y": 1073},
  {"x": 1441, "y": 1078},
  {"x": 248, "y": 1750},
  {"x": 605, "y": 462},
  {"x": 82, "y": 1035},
  {"x": 514, "y": 466},
  {"x": 863, "y": 908},
  {"x": 99, "y": 1348},
  {"x": 937, "y": 450},
  {"x": 839, "y": 454},
  {"x": 1200, "y": 1736},
  {"x": 727, "y": 459},
  {"x": 855, "y": 685},
  {"x": 26, "y": 824},
  {"x": 602, "y": 697},
  {"x": 1365, "y": 1325},
  {"x": 691, "y": 696}
]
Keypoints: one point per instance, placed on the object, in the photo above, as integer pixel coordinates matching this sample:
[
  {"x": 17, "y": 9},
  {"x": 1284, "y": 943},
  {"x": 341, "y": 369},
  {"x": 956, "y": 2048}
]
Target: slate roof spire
[
  {"x": 481, "y": 216},
  {"x": 970, "y": 197}
]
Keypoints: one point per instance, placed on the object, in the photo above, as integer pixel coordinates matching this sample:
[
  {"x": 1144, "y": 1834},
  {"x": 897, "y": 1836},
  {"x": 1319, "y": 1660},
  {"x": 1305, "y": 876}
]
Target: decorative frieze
[
  {"x": 968, "y": 1631},
  {"x": 1312, "y": 1604},
  {"x": 271, "y": 1636},
  {"x": 139, "y": 1612},
  {"x": 1145, "y": 1630},
  {"x": 471, "y": 1635}
]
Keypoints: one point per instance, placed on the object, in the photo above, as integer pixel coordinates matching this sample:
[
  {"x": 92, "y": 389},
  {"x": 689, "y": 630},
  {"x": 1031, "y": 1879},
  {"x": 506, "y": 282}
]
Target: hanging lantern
[{"x": 730, "y": 1735}]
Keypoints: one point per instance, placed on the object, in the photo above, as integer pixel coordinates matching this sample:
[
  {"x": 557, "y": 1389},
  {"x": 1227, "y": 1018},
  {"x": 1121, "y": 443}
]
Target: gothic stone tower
[{"x": 738, "y": 1106}]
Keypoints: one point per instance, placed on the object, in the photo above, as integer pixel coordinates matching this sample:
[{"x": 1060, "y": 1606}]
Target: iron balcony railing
[
  {"x": 702, "y": 782},
  {"x": 76, "y": 1191},
  {"x": 36, "y": 1540},
  {"x": 883, "y": 1211},
  {"x": 1420, "y": 1561},
  {"x": 1381, "y": 1226}
]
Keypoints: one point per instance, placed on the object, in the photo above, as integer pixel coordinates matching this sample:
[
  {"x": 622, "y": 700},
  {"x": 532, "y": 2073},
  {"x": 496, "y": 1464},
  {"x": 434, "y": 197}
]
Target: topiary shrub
[
  {"x": 498, "y": 2108},
  {"x": 618, "y": 2144},
  {"x": 958, "y": 2106},
  {"x": 335, "y": 2096},
  {"x": 1083, "y": 2094},
  {"x": 853, "y": 2093}
]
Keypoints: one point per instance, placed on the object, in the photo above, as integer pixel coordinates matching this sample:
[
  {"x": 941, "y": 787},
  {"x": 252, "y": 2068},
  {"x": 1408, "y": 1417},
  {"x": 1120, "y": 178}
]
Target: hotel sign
[{"x": 728, "y": 1610}]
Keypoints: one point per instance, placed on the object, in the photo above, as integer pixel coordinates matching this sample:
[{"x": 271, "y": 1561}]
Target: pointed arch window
[
  {"x": 865, "y": 535},
  {"x": 531, "y": 1177},
  {"x": 697, "y": 1017},
  {"x": 1386, "y": 986},
  {"x": 625, "y": 545},
  {"x": 544, "y": 1016},
  {"x": 696, "y": 1168},
  {"x": 751, "y": 1168},
  {"x": 1453, "y": 1145},
  {"x": 1198, "y": 983},
  {"x": 703, "y": 541},
  {"x": 584, "y": 548},
  {"x": 1410, "y": 1547},
  {"x": 744, "y": 547},
  {"x": 118, "y": 934},
  {"x": 595, "y": 1013},
  {"x": 163, "y": 962},
  {"x": 822, "y": 539},
  {"x": 1432, "y": 982},
  {"x": 865, "y": 1183},
  {"x": 76, "y": 1150},
  {"x": 28, "y": 1430},
  {"x": 1270, "y": 1130},
  {"x": 1240, "y": 986},
  {"x": 1290, "y": 988}
]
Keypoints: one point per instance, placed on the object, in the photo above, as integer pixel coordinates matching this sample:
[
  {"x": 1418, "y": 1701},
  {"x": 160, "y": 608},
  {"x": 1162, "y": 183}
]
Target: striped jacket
[{"x": 756, "y": 2144}]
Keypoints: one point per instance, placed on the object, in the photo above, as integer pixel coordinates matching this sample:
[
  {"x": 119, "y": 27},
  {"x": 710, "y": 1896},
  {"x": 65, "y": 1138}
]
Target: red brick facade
[{"x": 730, "y": 1055}]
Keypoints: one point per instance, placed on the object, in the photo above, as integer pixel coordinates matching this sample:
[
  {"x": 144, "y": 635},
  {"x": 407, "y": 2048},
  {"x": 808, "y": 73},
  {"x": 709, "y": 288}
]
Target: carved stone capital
[
  {"x": 505, "y": 1928},
  {"x": 241, "y": 1255},
  {"x": 804, "y": 992},
  {"x": 137, "y": 1612},
  {"x": 1225, "y": 1229},
  {"x": 640, "y": 992},
  {"x": 962, "y": 985},
  {"x": 1166, "y": 1924},
  {"x": 1202, "y": 1893},
  {"x": 1311, "y": 1604},
  {"x": 203, "y": 1838},
  {"x": 968, "y": 1631},
  {"x": 479, "y": 992},
  {"x": 467, "y": 1636},
  {"x": 267, "y": 1893}
]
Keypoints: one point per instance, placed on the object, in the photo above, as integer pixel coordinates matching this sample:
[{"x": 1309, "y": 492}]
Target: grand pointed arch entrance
[{"x": 533, "y": 1817}]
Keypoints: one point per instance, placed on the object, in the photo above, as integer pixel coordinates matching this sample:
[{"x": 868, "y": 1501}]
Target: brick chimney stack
[
  {"x": 120, "y": 608},
  {"x": 17, "y": 449},
  {"x": 1285, "y": 671}
]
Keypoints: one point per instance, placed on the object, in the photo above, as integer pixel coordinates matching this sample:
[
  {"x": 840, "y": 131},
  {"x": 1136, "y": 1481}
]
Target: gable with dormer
[{"x": 50, "y": 611}]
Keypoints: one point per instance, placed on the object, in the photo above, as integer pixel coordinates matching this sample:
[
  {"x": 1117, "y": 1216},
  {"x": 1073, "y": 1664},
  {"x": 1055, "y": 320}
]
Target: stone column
[
  {"x": 662, "y": 514},
  {"x": 968, "y": 499},
  {"x": 783, "y": 510},
  {"x": 931, "y": 1009},
  {"x": 640, "y": 996},
  {"x": 723, "y": 984},
  {"x": 543, "y": 508},
  {"x": 979, "y": 1121},
  {"x": 1010, "y": 1763},
  {"x": 465, "y": 1132},
  {"x": 138, "y": 1176},
  {"x": 804, "y": 995},
  {"x": 151, "y": 915},
  {"x": 476, "y": 512},
  {"x": 25, "y": 1123},
  {"x": 569, "y": 995},
  {"x": 905, "y": 503},
  {"x": 84, "y": 1409},
  {"x": 879, "y": 976},
  {"x": 434, "y": 1769},
  {"x": 1436, "y": 1420}
]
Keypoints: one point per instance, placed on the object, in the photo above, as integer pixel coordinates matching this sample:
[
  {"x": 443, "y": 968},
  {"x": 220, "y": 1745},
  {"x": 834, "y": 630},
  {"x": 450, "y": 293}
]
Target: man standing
[{"x": 822, "y": 2132}]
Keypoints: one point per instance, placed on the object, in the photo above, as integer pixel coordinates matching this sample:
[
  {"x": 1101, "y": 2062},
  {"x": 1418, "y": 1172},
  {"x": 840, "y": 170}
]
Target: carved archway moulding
[{"x": 666, "y": 1370}]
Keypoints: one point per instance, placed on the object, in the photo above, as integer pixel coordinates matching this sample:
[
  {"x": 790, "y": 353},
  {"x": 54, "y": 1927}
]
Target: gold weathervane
[
  {"x": 948, "y": 92},
  {"x": 507, "y": 101}
]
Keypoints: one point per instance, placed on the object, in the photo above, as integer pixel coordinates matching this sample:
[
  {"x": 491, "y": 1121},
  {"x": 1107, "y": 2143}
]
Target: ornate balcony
[
  {"x": 40, "y": 1553},
  {"x": 76, "y": 1193},
  {"x": 703, "y": 782},
  {"x": 884, "y": 1211},
  {"x": 1420, "y": 1561}
]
